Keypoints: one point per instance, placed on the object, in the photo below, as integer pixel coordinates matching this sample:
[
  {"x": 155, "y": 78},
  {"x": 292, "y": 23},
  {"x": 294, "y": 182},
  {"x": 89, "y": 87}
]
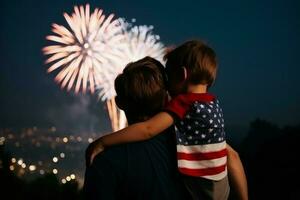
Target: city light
[
  {"x": 55, "y": 159},
  {"x": 20, "y": 161},
  {"x": 45, "y": 160},
  {"x": 63, "y": 181},
  {"x": 17, "y": 144},
  {"x": 72, "y": 176},
  {"x": 2, "y": 140},
  {"x": 62, "y": 155},
  {"x": 32, "y": 167},
  {"x": 55, "y": 171},
  {"x": 53, "y": 129},
  {"x": 65, "y": 140},
  {"x": 79, "y": 139}
]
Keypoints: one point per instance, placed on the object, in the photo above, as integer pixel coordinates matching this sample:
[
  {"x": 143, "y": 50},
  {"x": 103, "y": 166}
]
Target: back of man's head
[{"x": 141, "y": 89}]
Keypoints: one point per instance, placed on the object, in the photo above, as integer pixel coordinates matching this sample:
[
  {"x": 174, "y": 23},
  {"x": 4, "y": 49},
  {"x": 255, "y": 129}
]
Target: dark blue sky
[{"x": 257, "y": 43}]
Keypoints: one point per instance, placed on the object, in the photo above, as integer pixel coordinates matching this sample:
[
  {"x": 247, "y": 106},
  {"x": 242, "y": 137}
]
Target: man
[{"x": 141, "y": 170}]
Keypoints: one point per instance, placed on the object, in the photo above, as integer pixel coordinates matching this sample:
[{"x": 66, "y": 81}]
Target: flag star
[
  {"x": 220, "y": 115},
  {"x": 210, "y": 121},
  {"x": 209, "y": 110},
  {"x": 201, "y": 105},
  {"x": 217, "y": 109},
  {"x": 204, "y": 116},
  {"x": 222, "y": 125},
  {"x": 189, "y": 127},
  {"x": 215, "y": 134},
  {"x": 198, "y": 110},
  {"x": 196, "y": 142},
  {"x": 215, "y": 125},
  {"x": 202, "y": 135},
  {"x": 196, "y": 122},
  {"x": 211, "y": 106},
  {"x": 219, "y": 139},
  {"x": 215, "y": 115},
  {"x": 219, "y": 121},
  {"x": 196, "y": 132},
  {"x": 209, "y": 141},
  {"x": 190, "y": 137},
  {"x": 181, "y": 122},
  {"x": 180, "y": 140},
  {"x": 188, "y": 116},
  {"x": 186, "y": 143},
  {"x": 210, "y": 130}
]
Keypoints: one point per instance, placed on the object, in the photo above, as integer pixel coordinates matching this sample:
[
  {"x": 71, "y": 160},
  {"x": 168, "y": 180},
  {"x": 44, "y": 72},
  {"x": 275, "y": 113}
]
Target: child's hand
[{"x": 93, "y": 149}]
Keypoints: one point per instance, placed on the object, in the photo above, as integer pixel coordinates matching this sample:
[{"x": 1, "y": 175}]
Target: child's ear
[{"x": 120, "y": 103}]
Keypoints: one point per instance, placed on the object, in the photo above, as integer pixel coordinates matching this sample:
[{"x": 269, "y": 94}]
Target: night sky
[{"x": 257, "y": 43}]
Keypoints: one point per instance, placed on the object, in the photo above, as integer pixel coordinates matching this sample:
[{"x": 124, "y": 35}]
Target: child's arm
[
  {"x": 133, "y": 133},
  {"x": 139, "y": 131},
  {"x": 237, "y": 176}
]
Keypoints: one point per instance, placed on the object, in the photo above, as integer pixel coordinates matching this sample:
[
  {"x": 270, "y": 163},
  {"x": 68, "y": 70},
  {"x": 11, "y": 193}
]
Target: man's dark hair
[
  {"x": 199, "y": 60},
  {"x": 141, "y": 88}
]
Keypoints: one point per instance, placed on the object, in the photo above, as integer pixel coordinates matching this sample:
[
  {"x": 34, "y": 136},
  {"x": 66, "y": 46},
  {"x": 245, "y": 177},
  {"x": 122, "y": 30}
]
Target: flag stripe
[
  {"x": 201, "y": 156},
  {"x": 202, "y": 164},
  {"x": 217, "y": 177},
  {"x": 201, "y": 148},
  {"x": 203, "y": 172}
]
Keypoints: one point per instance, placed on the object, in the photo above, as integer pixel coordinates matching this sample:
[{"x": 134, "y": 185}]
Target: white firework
[
  {"x": 84, "y": 50},
  {"x": 139, "y": 42}
]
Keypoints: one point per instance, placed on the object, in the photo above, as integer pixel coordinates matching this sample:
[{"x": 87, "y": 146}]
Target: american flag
[{"x": 201, "y": 145}]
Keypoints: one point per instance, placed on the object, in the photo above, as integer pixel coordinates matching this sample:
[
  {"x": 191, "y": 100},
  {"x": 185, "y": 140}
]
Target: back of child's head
[
  {"x": 198, "y": 59},
  {"x": 141, "y": 87}
]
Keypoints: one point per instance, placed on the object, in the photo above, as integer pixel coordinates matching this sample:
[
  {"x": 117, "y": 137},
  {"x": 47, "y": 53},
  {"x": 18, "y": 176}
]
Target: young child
[{"x": 201, "y": 147}]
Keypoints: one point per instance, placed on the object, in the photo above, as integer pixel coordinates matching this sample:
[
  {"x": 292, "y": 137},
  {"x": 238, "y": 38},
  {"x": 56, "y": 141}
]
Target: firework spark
[
  {"x": 83, "y": 51},
  {"x": 138, "y": 42}
]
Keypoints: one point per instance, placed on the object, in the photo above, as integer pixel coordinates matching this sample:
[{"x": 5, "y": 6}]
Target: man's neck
[{"x": 198, "y": 88}]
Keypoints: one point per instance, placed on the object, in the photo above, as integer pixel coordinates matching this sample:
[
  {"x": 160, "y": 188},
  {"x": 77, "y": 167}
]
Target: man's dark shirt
[{"x": 137, "y": 171}]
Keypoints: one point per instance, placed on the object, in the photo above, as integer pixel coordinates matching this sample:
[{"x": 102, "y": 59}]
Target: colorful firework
[{"x": 84, "y": 50}]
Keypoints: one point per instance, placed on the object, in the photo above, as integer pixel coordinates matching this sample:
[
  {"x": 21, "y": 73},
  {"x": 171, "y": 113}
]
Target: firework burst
[
  {"x": 83, "y": 51},
  {"x": 137, "y": 43}
]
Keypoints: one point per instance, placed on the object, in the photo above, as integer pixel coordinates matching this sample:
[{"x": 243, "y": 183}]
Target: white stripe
[
  {"x": 201, "y": 148},
  {"x": 202, "y": 164},
  {"x": 217, "y": 177}
]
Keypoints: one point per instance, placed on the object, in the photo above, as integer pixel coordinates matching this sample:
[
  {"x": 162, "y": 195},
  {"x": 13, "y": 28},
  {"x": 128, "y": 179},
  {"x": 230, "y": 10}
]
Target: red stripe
[
  {"x": 203, "y": 172},
  {"x": 202, "y": 156}
]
